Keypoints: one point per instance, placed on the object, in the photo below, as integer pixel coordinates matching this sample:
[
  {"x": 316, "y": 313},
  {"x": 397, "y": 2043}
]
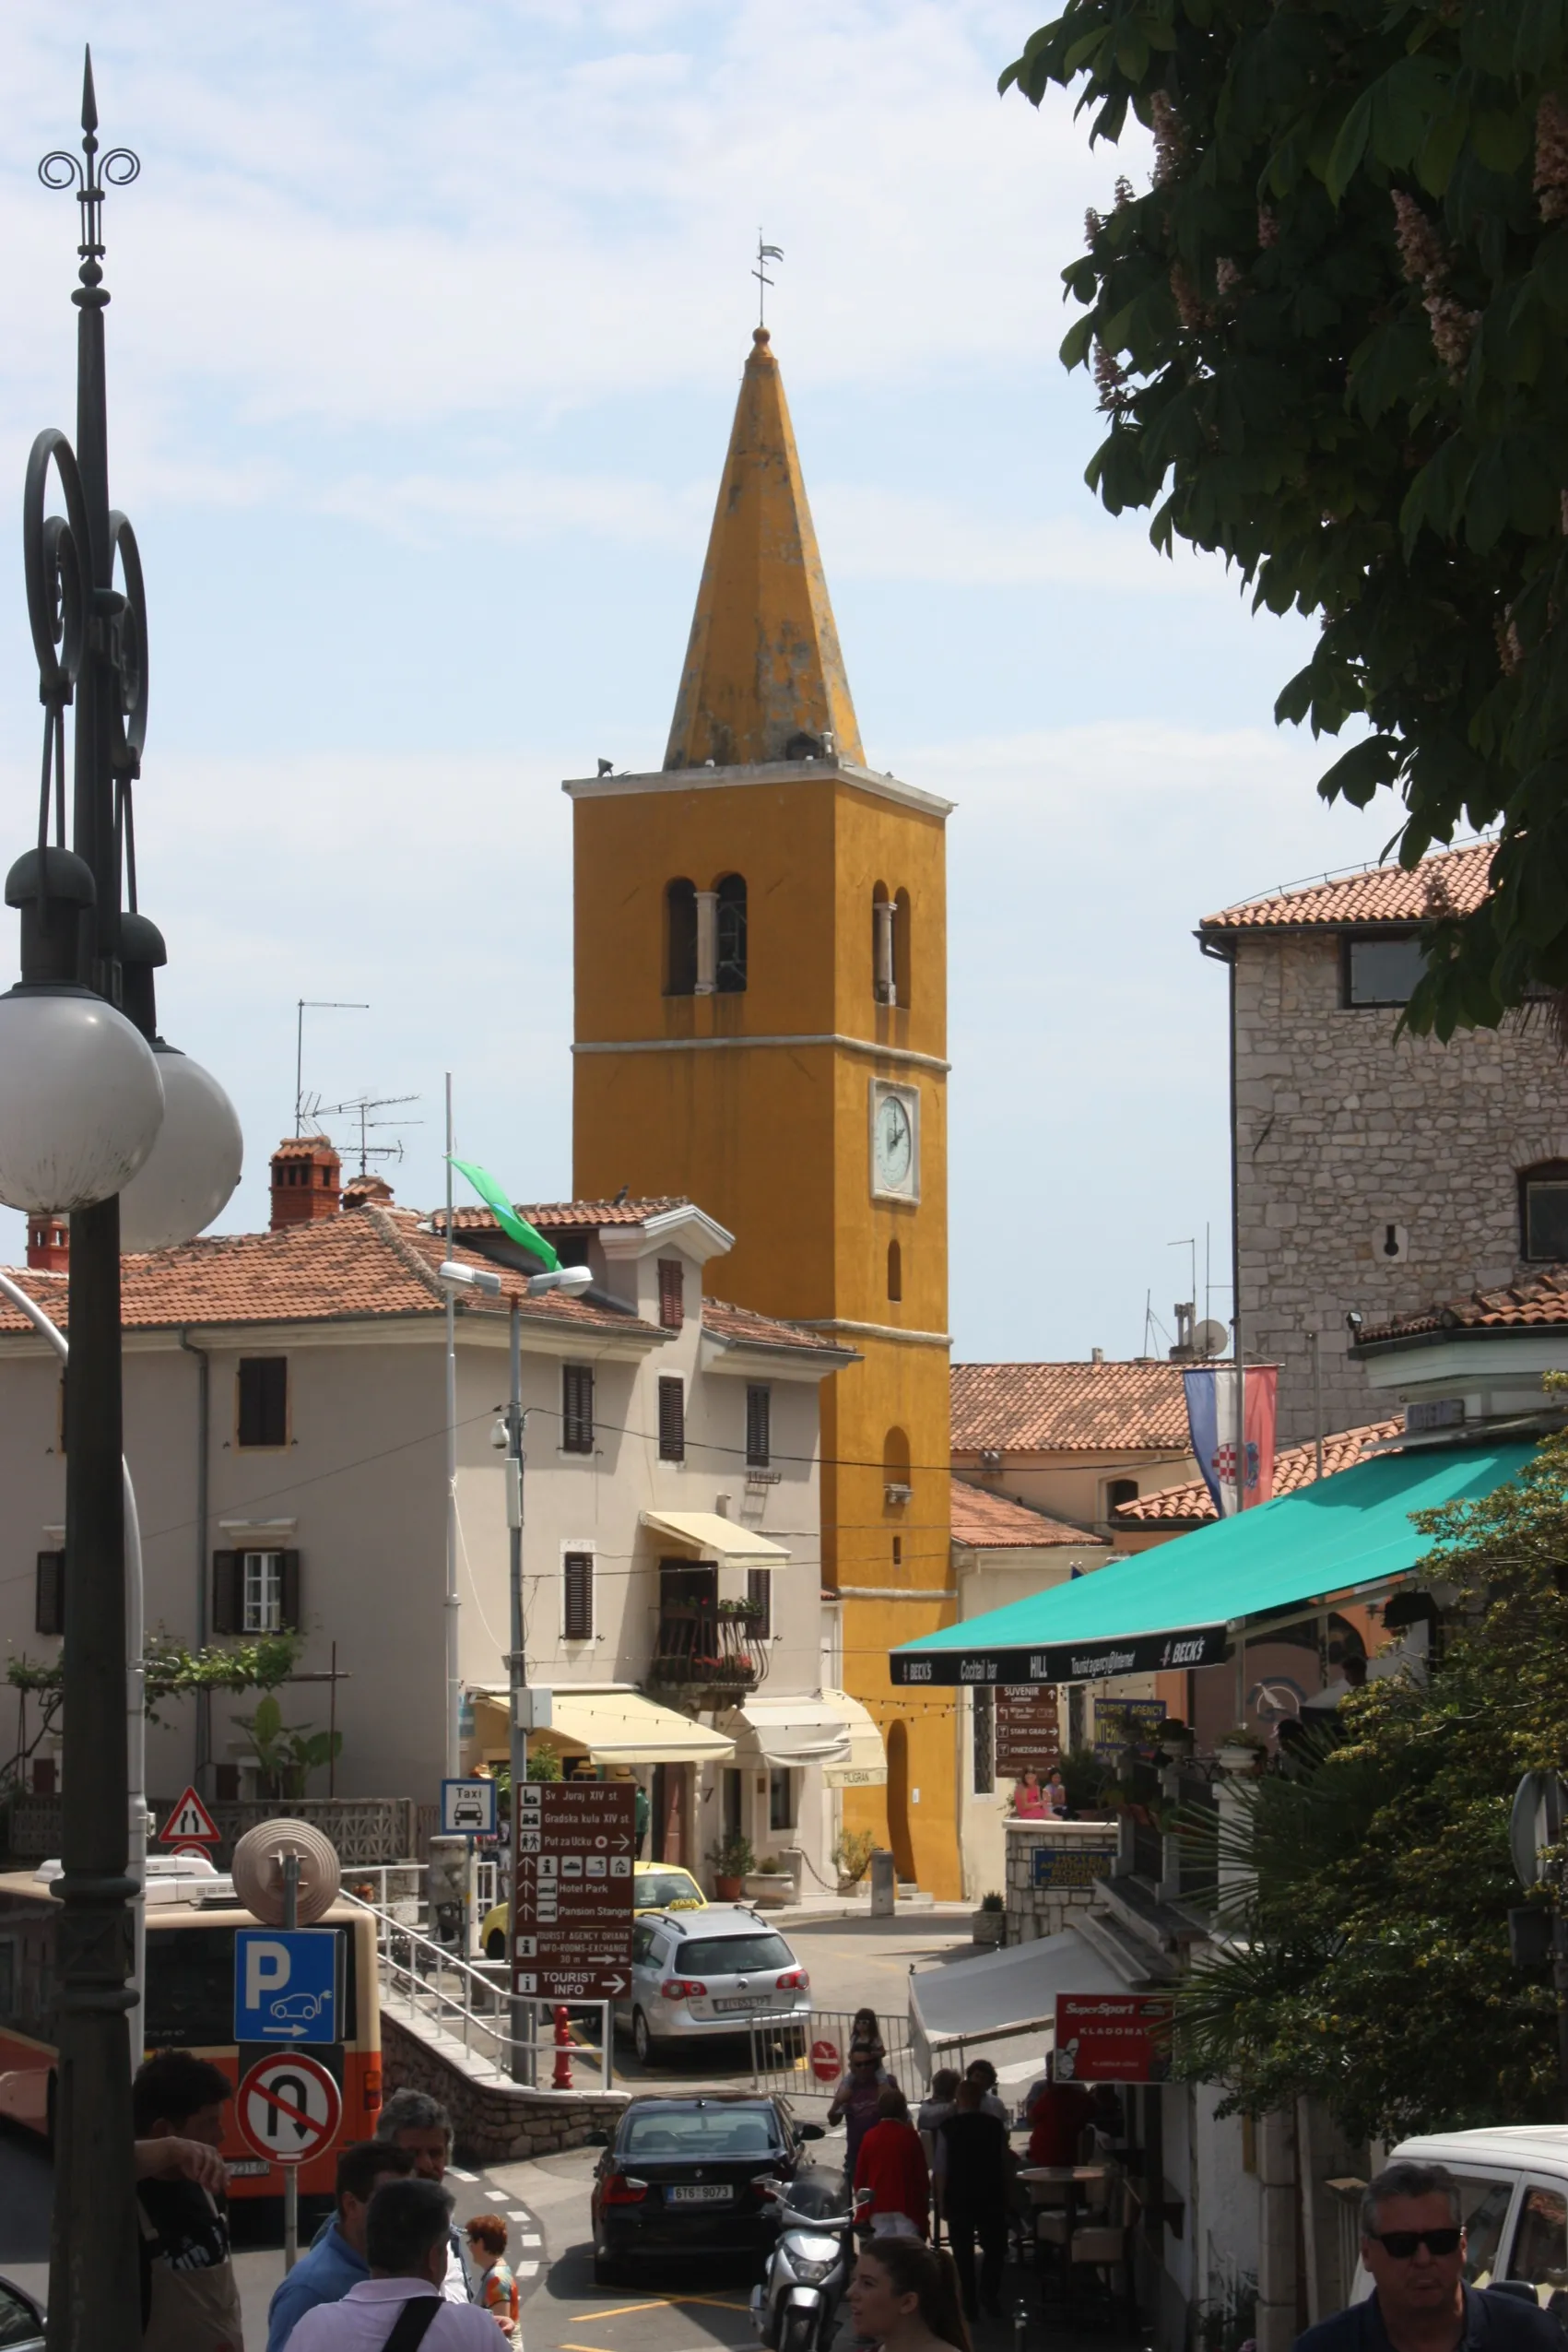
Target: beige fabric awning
[
  {"x": 775, "y": 1730},
  {"x": 866, "y": 1764},
  {"x": 708, "y": 1536},
  {"x": 623, "y": 1727}
]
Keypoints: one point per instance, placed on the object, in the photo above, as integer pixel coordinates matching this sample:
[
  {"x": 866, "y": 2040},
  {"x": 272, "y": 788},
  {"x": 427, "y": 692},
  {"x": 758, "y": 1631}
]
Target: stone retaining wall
[
  {"x": 494, "y": 2123},
  {"x": 1080, "y": 1854}
]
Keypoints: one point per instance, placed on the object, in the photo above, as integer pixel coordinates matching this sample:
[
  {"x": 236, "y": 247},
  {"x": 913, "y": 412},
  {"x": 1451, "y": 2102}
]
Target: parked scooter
[{"x": 795, "y": 2308}]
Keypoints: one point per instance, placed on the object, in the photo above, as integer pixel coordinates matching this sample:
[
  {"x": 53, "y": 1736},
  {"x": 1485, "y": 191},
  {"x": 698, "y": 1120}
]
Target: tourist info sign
[{"x": 571, "y": 1935}]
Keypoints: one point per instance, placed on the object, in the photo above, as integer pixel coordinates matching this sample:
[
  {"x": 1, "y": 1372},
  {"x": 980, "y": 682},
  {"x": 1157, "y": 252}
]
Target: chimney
[
  {"x": 49, "y": 1244},
  {"x": 306, "y": 1181},
  {"x": 367, "y": 1190}
]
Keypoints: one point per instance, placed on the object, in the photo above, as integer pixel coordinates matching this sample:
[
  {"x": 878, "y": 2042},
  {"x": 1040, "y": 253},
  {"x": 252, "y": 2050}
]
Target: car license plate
[
  {"x": 717, "y": 2197},
  {"x": 248, "y": 2167},
  {"x": 735, "y": 2005}
]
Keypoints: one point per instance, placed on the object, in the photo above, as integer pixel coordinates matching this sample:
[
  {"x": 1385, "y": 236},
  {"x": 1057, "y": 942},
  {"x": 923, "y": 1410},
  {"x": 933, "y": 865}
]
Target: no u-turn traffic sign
[{"x": 288, "y": 2107}]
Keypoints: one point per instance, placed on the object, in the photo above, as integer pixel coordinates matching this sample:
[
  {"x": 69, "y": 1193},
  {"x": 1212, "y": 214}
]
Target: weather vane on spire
[{"x": 765, "y": 253}]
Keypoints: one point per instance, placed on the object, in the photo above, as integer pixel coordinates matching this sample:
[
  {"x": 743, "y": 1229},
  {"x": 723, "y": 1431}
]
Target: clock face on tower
[{"x": 895, "y": 1142}]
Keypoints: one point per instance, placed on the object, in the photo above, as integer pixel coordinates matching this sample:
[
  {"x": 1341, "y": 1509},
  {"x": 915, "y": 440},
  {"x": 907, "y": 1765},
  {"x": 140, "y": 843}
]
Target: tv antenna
[
  {"x": 765, "y": 253},
  {"x": 361, "y": 1109},
  {"x": 303, "y": 1005}
]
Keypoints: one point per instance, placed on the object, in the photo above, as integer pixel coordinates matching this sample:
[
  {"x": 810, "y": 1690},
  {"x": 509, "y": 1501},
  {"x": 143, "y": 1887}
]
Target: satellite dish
[
  {"x": 257, "y": 1871},
  {"x": 1211, "y": 1339}
]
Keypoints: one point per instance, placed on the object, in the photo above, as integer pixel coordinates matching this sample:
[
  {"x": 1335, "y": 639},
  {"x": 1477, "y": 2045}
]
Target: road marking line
[
  {"x": 495, "y": 2196},
  {"x": 461, "y": 2176},
  {"x": 527, "y": 2270},
  {"x": 527, "y": 2241},
  {"x": 654, "y": 2303}
]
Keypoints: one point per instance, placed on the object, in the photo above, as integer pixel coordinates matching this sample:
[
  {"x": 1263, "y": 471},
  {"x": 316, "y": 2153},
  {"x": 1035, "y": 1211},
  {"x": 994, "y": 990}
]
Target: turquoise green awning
[{"x": 1176, "y": 1604}]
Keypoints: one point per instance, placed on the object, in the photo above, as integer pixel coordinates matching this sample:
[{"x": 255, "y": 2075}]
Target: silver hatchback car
[{"x": 722, "y": 1970}]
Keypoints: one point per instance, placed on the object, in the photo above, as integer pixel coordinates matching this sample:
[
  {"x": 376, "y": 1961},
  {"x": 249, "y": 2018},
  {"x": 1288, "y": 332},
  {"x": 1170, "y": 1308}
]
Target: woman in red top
[{"x": 892, "y": 2164}]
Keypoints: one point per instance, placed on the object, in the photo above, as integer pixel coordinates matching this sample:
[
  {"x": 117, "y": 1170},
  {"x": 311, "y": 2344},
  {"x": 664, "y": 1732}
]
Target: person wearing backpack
[{"x": 400, "y": 2307}]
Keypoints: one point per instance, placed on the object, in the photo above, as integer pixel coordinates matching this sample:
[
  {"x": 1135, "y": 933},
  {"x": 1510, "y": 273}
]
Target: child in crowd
[{"x": 495, "y": 2289}]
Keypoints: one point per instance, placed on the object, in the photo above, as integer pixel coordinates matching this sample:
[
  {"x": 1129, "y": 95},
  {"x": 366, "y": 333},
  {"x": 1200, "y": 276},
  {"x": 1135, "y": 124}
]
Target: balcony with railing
[{"x": 706, "y": 1651}]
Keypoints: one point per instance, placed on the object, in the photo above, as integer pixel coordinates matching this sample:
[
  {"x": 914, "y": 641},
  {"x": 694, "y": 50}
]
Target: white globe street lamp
[{"x": 195, "y": 1165}]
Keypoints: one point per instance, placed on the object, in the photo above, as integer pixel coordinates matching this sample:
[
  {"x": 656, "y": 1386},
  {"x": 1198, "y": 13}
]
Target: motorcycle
[{"x": 795, "y": 2308}]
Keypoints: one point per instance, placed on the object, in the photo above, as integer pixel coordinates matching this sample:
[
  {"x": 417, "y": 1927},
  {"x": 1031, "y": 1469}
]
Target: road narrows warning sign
[
  {"x": 189, "y": 1823},
  {"x": 288, "y": 2107}
]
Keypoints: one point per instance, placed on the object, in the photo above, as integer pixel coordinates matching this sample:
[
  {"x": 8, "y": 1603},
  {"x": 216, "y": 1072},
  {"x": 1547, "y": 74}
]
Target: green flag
[{"x": 518, "y": 1228}]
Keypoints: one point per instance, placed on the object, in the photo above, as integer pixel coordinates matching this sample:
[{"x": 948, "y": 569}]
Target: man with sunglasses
[{"x": 1413, "y": 2246}]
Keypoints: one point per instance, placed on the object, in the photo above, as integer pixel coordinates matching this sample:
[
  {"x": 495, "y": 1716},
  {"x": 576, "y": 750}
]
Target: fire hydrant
[{"x": 561, "y": 2080}]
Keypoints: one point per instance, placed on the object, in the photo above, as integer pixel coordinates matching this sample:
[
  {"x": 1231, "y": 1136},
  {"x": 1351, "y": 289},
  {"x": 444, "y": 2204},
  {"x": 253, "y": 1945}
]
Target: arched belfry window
[
  {"x": 680, "y": 939},
  {"x": 883, "y": 991},
  {"x": 904, "y": 980},
  {"x": 729, "y": 963}
]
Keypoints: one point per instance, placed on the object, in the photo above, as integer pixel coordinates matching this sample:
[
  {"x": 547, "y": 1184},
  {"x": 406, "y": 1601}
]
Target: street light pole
[
  {"x": 517, "y": 1676},
  {"x": 94, "y": 2297}
]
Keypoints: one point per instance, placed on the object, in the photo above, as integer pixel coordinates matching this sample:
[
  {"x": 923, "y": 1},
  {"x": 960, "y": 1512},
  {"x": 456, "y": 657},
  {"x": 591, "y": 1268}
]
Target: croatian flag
[{"x": 1211, "y": 1419}]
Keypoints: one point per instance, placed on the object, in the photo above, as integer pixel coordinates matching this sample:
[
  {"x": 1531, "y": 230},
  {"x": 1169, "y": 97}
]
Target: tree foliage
[
  {"x": 1365, "y": 1951},
  {"x": 1331, "y": 340}
]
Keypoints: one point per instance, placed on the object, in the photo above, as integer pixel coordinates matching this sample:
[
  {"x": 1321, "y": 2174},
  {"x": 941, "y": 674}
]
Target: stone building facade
[{"x": 1375, "y": 1173}]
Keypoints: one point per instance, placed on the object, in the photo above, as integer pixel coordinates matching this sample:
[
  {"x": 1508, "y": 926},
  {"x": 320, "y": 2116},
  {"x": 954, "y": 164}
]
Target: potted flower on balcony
[{"x": 731, "y": 1858}]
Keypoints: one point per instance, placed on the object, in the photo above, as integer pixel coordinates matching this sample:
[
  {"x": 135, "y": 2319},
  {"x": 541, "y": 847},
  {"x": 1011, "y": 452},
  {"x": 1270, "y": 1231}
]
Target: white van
[{"x": 1513, "y": 2193}]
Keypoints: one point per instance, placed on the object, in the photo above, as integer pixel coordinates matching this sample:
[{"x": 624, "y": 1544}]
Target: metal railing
[
  {"x": 433, "y": 1985},
  {"x": 784, "y": 2056}
]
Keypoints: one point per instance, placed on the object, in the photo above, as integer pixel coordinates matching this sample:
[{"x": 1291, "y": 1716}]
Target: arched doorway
[{"x": 897, "y": 1803}]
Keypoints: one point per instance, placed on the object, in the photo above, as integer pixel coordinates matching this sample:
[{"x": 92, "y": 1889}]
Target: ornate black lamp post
[{"x": 93, "y": 1106}]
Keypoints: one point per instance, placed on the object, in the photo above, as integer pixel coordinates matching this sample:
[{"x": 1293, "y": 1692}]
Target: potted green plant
[
  {"x": 988, "y": 1925},
  {"x": 852, "y": 1857},
  {"x": 1239, "y": 1749},
  {"x": 771, "y": 1886},
  {"x": 731, "y": 1858}
]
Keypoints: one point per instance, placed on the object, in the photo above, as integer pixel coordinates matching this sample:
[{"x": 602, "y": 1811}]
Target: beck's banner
[{"x": 1211, "y": 1420}]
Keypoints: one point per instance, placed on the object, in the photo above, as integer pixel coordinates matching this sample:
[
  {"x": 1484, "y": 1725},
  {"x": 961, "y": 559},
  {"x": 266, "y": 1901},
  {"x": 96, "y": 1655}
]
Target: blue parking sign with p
[{"x": 286, "y": 1984}]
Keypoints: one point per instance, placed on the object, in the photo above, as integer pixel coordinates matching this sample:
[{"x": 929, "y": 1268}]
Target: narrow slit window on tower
[
  {"x": 895, "y": 1271},
  {"x": 680, "y": 939},
  {"x": 903, "y": 986},
  {"x": 881, "y": 945},
  {"x": 729, "y": 975}
]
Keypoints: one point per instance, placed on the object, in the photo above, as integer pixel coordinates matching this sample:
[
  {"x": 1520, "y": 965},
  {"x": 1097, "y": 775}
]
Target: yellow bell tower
[{"x": 762, "y": 1023}]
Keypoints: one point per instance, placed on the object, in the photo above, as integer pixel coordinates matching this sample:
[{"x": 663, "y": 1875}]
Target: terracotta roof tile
[
  {"x": 1534, "y": 1300},
  {"x": 569, "y": 1216},
  {"x": 364, "y": 1263},
  {"x": 991, "y": 1522},
  {"x": 1294, "y": 1466},
  {"x": 1451, "y": 881},
  {"x": 728, "y": 1322},
  {"x": 1070, "y": 1408}
]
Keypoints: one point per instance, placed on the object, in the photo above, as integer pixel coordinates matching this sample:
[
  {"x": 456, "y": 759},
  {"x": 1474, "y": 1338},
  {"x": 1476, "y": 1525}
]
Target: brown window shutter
[
  {"x": 290, "y": 1610},
  {"x": 672, "y": 1421},
  {"x": 577, "y": 1408},
  {"x": 228, "y": 1594},
  {"x": 49, "y": 1594},
  {"x": 758, "y": 1427},
  {"x": 577, "y": 1614},
  {"x": 672, "y": 1293}
]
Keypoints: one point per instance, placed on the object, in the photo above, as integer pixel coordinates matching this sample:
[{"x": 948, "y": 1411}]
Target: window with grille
[
  {"x": 984, "y": 1741},
  {"x": 758, "y": 1428},
  {"x": 577, "y": 1604},
  {"x": 256, "y": 1592},
  {"x": 672, "y": 1293},
  {"x": 672, "y": 1421},
  {"x": 577, "y": 1408},
  {"x": 760, "y": 1592},
  {"x": 263, "y": 1411}
]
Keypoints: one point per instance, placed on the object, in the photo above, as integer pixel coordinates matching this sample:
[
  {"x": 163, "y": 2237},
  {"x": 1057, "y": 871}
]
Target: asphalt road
[{"x": 546, "y": 2202}]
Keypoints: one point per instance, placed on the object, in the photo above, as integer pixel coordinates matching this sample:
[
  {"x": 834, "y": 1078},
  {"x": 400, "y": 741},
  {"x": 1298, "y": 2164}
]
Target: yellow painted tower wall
[{"x": 775, "y": 1139}]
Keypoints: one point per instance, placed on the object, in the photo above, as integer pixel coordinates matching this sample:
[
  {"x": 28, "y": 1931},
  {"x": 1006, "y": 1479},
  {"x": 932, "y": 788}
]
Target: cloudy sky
[{"x": 426, "y": 331}]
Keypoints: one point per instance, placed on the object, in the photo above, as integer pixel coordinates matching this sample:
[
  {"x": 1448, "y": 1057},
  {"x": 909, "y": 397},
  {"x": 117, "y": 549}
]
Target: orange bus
[{"x": 190, "y": 2005}]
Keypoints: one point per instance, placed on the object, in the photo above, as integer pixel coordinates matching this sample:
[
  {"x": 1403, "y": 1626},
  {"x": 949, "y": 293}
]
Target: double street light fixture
[{"x": 101, "y": 1119}]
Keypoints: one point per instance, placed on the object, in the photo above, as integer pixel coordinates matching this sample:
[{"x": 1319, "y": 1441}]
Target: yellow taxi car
[{"x": 655, "y": 1886}]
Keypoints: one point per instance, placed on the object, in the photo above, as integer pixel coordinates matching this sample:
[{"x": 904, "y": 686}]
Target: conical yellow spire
[{"x": 764, "y": 679}]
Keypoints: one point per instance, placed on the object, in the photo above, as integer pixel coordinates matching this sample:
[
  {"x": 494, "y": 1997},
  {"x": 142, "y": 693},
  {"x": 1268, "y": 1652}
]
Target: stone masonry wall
[
  {"x": 493, "y": 2123},
  {"x": 1344, "y": 1129},
  {"x": 1082, "y": 1853}
]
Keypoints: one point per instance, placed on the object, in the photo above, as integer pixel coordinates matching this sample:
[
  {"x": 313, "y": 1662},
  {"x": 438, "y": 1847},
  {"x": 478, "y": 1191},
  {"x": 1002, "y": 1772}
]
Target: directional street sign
[
  {"x": 573, "y": 1850},
  {"x": 286, "y": 1983},
  {"x": 189, "y": 1823},
  {"x": 467, "y": 1808},
  {"x": 288, "y": 2107}
]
